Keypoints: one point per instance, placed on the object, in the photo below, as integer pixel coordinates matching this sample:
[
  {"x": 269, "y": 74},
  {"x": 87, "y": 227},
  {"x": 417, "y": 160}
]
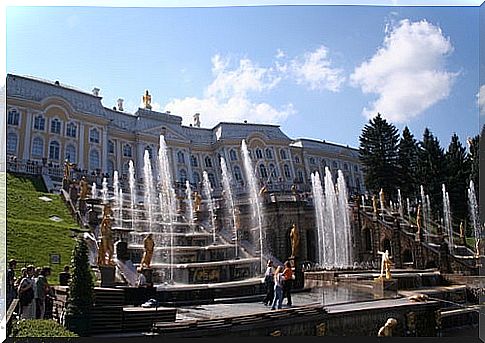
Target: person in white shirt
[
  {"x": 269, "y": 283},
  {"x": 278, "y": 288}
]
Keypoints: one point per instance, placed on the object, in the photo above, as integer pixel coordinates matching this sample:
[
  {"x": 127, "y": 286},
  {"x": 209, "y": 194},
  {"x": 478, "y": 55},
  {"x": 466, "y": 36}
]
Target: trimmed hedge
[{"x": 40, "y": 328}]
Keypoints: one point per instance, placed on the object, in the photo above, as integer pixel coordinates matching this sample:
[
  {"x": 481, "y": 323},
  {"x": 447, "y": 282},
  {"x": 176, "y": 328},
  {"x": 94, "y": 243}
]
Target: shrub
[{"x": 40, "y": 328}]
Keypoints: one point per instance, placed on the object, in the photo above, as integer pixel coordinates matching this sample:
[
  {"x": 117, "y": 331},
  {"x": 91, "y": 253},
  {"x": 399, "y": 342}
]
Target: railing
[{"x": 9, "y": 317}]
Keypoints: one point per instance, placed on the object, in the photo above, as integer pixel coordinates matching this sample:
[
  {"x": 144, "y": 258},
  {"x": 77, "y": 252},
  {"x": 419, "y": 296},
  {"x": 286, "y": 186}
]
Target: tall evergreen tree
[
  {"x": 431, "y": 160},
  {"x": 473, "y": 161},
  {"x": 408, "y": 164},
  {"x": 457, "y": 173},
  {"x": 81, "y": 291},
  {"x": 378, "y": 154}
]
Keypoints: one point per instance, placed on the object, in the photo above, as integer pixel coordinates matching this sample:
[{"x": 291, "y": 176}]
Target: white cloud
[
  {"x": 314, "y": 70},
  {"x": 481, "y": 99},
  {"x": 280, "y": 53},
  {"x": 229, "y": 97},
  {"x": 407, "y": 72}
]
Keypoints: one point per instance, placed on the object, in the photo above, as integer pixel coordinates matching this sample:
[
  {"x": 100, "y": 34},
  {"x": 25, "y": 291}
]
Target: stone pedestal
[
  {"x": 383, "y": 286},
  {"x": 148, "y": 272},
  {"x": 107, "y": 276}
]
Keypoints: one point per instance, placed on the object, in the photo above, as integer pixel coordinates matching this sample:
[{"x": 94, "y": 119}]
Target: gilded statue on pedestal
[
  {"x": 106, "y": 249},
  {"x": 386, "y": 264},
  {"x": 197, "y": 201},
  {"x": 147, "y": 100},
  {"x": 149, "y": 246},
  {"x": 295, "y": 241},
  {"x": 84, "y": 188}
]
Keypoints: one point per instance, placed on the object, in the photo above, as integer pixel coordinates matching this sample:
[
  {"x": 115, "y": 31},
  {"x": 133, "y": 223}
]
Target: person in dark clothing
[
  {"x": 269, "y": 283},
  {"x": 64, "y": 277},
  {"x": 11, "y": 291},
  {"x": 288, "y": 282}
]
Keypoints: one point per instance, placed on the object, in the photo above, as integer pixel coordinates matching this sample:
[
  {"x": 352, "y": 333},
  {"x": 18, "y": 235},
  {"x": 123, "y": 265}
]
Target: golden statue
[
  {"x": 147, "y": 100},
  {"x": 106, "y": 249},
  {"x": 386, "y": 264},
  {"x": 386, "y": 330},
  {"x": 295, "y": 241},
  {"x": 149, "y": 246},
  {"x": 83, "y": 186},
  {"x": 374, "y": 204},
  {"x": 197, "y": 201},
  {"x": 293, "y": 189},
  {"x": 67, "y": 169},
  {"x": 263, "y": 190}
]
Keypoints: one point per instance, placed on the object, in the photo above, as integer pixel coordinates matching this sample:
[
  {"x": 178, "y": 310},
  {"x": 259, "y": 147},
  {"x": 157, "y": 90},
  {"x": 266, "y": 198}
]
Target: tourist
[
  {"x": 269, "y": 282},
  {"x": 42, "y": 288},
  {"x": 142, "y": 280},
  {"x": 288, "y": 282},
  {"x": 11, "y": 292},
  {"x": 64, "y": 277},
  {"x": 278, "y": 288},
  {"x": 26, "y": 294}
]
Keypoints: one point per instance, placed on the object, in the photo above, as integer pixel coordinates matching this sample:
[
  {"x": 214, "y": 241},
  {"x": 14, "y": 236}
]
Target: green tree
[
  {"x": 473, "y": 161},
  {"x": 408, "y": 164},
  {"x": 457, "y": 174},
  {"x": 379, "y": 154},
  {"x": 431, "y": 160},
  {"x": 81, "y": 291}
]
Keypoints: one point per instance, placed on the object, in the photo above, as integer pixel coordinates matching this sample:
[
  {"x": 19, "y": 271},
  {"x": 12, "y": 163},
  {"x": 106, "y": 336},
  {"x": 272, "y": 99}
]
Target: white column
[
  {"x": 80, "y": 149},
  {"x": 28, "y": 131},
  {"x": 104, "y": 163}
]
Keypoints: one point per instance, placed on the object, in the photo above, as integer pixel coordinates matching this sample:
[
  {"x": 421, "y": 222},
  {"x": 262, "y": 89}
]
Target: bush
[{"x": 40, "y": 328}]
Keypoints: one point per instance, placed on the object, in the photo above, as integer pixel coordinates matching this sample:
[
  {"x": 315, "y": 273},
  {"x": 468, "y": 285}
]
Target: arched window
[
  {"x": 56, "y": 126},
  {"x": 335, "y": 165},
  {"x": 70, "y": 153},
  {"x": 111, "y": 167},
  {"x": 356, "y": 169},
  {"x": 38, "y": 147},
  {"x": 300, "y": 176},
  {"x": 323, "y": 162},
  {"x": 94, "y": 136},
  {"x": 39, "y": 122},
  {"x": 287, "y": 171},
  {"x": 208, "y": 162},
  {"x": 126, "y": 168},
  {"x": 54, "y": 150},
  {"x": 237, "y": 174},
  {"x": 273, "y": 171},
  {"x": 297, "y": 159},
  {"x": 193, "y": 161},
  {"x": 181, "y": 157},
  {"x": 71, "y": 130},
  {"x": 12, "y": 140},
  {"x": 283, "y": 154},
  {"x": 212, "y": 180},
  {"x": 259, "y": 153},
  {"x": 13, "y": 117},
  {"x": 312, "y": 160},
  {"x": 94, "y": 159},
  {"x": 111, "y": 147},
  {"x": 233, "y": 155},
  {"x": 183, "y": 175},
  {"x": 262, "y": 171},
  {"x": 127, "y": 150},
  {"x": 346, "y": 166},
  {"x": 196, "y": 178},
  {"x": 269, "y": 153}
]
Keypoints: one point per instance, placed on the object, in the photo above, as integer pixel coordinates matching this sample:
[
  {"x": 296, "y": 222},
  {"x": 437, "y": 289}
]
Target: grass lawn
[{"x": 31, "y": 235}]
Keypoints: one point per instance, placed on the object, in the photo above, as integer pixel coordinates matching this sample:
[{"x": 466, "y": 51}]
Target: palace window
[
  {"x": 312, "y": 160},
  {"x": 181, "y": 157},
  {"x": 283, "y": 154},
  {"x": 94, "y": 136},
  {"x": 300, "y": 176},
  {"x": 323, "y": 162},
  {"x": 183, "y": 175},
  {"x": 54, "y": 150},
  {"x": 12, "y": 142},
  {"x": 39, "y": 122},
  {"x": 38, "y": 147},
  {"x": 346, "y": 166},
  {"x": 126, "y": 168},
  {"x": 111, "y": 167},
  {"x": 212, "y": 180},
  {"x": 297, "y": 159},
  {"x": 335, "y": 165},
  {"x": 56, "y": 126},
  {"x": 273, "y": 171},
  {"x": 193, "y": 161},
  {"x": 127, "y": 150},
  {"x": 262, "y": 171},
  {"x": 237, "y": 174},
  {"x": 269, "y": 153},
  {"x": 196, "y": 177},
  {"x": 259, "y": 154},
  {"x": 233, "y": 155},
  {"x": 356, "y": 169},
  {"x": 287, "y": 171},
  {"x": 71, "y": 130},
  {"x": 111, "y": 147},
  {"x": 208, "y": 162},
  {"x": 13, "y": 117},
  {"x": 94, "y": 159},
  {"x": 71, "y": 153}
]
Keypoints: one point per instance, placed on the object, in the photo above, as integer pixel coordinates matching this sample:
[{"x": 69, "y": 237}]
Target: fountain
[
  {"x": 190, "y": 205},
  {"x": 132, "y": 182},
  {"x": 473, "y": 208},
  {"x": 207, "y": 192},
  {"x": 229, "y": 200},
  {"x": 94, "y": 192},
  {"x": 255, "y": 198},
  {"x": 447, "y": 218},
  {"x": 104, "y": 190},
  {"x": 333, "y": 221},
  {"x": 399, "y": 201},
  {"x": 148, "y": 180}
]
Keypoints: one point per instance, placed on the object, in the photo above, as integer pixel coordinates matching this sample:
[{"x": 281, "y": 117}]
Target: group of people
[
  {"x": 278, "y": 284},
  {"x": 32, "y": 289}
]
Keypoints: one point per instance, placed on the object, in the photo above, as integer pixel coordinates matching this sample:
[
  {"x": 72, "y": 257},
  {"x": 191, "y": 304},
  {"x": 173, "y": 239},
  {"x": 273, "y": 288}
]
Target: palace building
[{"x": 49, "y": 122}]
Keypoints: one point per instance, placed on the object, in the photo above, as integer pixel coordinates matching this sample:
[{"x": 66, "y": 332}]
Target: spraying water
[
  {"x": 473, "y": 208},
  {"x": 333, "y": 221},
  {"x": 255, "y": 198},
  {"x": 447, "y": 217},
  {"x": 104, "y": 190},
  {"x": 207, "y": 192},
  {"x": 94, "y": 192},
  {"x": 228, "y": 198},
  {"x": 148, "y": 180},
  {"x": 116, "y": 198},
  {"x": 399, "y": 200},
  {"x": 381, "y": 199},
  {"x": 132, "y": 182},
  {"x": 408, "y": 205},
  {"x": 188, "y": 193}
]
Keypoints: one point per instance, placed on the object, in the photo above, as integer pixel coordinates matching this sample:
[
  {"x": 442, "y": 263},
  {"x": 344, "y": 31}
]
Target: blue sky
[{"x": 318, "y": 71}]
